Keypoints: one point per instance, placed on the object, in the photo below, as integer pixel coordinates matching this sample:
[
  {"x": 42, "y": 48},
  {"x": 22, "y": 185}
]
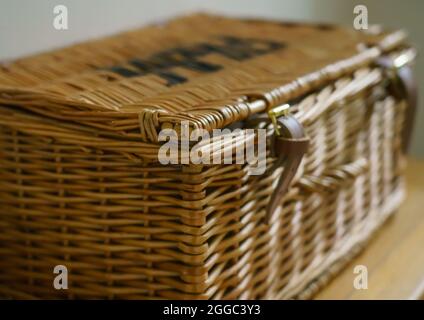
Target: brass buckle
[
  {"x": 276, "y": 113},
  {"x": 403, "y": 59}
]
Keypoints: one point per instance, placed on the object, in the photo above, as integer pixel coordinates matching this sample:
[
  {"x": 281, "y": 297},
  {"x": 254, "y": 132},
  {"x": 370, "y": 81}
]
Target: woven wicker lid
[{"x": 206, "y": 69}]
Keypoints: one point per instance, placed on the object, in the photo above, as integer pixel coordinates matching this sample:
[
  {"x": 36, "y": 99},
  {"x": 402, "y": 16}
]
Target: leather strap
[
  {"x": 409, "y": 86},
  {"x": 403, "y": 86},
  {"x": 289, "y": 148}
]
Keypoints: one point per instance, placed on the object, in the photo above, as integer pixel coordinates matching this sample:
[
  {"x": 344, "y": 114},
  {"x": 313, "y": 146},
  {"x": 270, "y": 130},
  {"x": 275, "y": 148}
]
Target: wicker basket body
[{"x": 81, "y": 186}]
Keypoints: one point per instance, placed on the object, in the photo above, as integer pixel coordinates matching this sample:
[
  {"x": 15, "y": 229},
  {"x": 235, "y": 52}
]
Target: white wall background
[{"x": 26, "y": 25}]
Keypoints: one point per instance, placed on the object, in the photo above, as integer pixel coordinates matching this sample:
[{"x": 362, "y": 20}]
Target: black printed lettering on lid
[
  {"x": 122, "y": 71},
  {"x": 234, "y": 48}
]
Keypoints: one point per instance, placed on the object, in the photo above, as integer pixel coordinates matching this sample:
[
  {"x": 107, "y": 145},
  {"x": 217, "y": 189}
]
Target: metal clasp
[
  {"x": 404, "y": 58},
  {"x": 276, "y": 113}
]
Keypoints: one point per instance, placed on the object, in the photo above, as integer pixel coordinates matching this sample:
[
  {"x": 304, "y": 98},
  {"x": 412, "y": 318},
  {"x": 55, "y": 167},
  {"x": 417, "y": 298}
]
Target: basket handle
[{"x": 331, "y": 180}]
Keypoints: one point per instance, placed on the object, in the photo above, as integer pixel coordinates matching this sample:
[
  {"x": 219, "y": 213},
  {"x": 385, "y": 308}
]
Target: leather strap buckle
[
  {"x": 403, "y": 86},
  {"x": 289, "y": 145}
]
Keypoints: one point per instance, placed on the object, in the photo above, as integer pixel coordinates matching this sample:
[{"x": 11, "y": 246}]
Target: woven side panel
[
  {"x": 99, "y": 215},
  {"x": 339, "y": 199}
]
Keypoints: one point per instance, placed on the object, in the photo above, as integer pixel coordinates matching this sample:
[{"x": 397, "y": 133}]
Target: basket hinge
[{"x": 289, "y": 145}]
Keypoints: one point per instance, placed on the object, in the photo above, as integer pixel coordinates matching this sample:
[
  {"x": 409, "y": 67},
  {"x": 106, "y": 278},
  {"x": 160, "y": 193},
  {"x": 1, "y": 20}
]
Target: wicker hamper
[{"x": 81, "y": 184}]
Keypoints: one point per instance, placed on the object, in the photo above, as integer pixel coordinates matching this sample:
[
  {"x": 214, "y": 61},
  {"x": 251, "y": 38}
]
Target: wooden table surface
[{"x": 395, "y": 255}]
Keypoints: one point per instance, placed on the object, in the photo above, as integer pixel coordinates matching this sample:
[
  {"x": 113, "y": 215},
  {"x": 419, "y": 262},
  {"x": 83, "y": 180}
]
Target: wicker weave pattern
[
  {"x": 80, "y": 188},
  {"x": 77, "y": 82}
]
